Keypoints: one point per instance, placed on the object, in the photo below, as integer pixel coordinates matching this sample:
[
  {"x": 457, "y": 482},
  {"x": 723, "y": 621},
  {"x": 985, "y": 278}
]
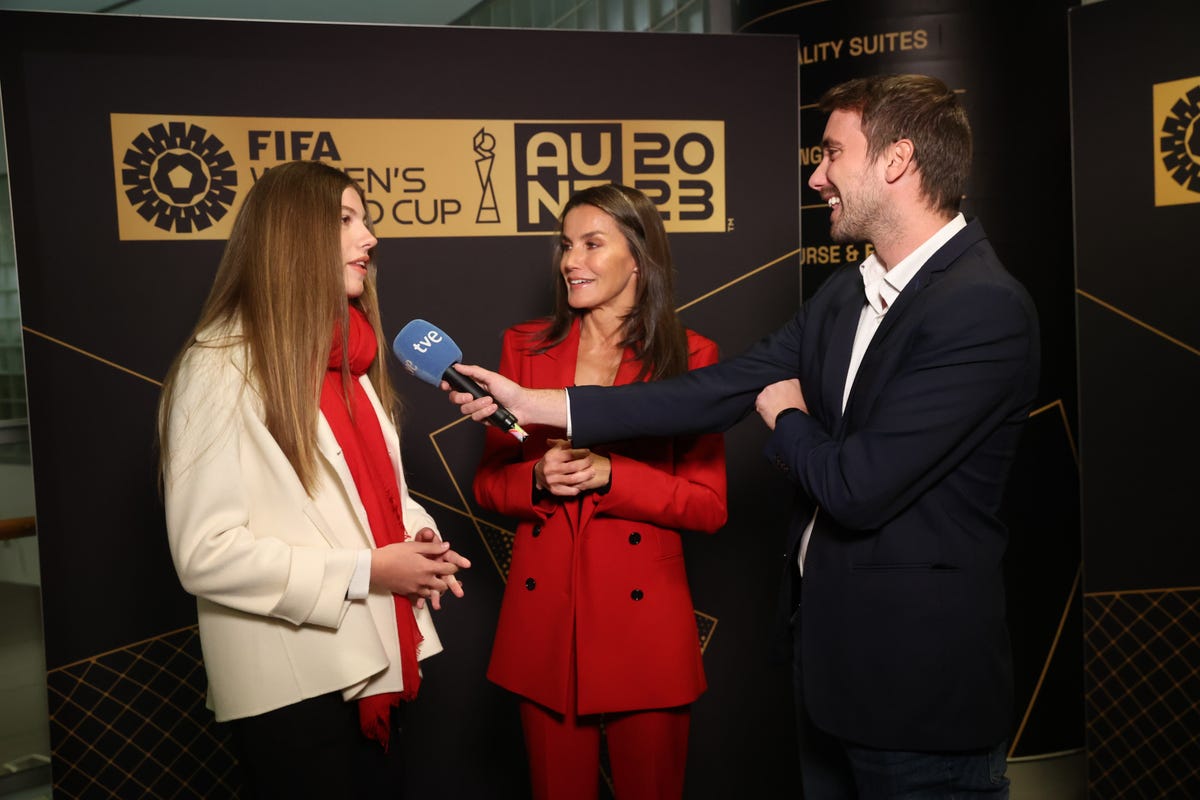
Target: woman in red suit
[{"x": 596, "y": 626}]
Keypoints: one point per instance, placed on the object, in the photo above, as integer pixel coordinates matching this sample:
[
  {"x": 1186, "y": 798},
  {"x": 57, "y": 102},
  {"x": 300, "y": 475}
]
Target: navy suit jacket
[{"x": 903, "y": 638}]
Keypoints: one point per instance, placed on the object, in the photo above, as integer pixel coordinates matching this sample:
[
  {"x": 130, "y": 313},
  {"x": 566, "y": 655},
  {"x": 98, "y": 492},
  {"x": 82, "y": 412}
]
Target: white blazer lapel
[{"x": 328, "y": 445}]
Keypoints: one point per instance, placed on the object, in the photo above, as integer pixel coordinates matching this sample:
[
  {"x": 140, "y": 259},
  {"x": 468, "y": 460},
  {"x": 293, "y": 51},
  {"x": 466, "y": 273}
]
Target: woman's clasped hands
[
  {"x": 567, "y": 471},
  {"x": 422, "y": 567}
]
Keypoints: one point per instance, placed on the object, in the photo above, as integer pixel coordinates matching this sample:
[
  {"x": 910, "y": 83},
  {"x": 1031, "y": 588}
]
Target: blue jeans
[
  {"x": 880, "y": 774},
  {"x": 835, "y": 769}
]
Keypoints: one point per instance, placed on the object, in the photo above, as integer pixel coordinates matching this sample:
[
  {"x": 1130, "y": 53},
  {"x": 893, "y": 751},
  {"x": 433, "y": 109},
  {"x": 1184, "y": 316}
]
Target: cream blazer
[{"x": 268, "y": 564}]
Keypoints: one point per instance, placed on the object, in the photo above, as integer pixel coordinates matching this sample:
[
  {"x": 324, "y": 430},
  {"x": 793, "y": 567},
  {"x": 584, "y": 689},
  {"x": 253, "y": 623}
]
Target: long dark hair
[{"x": 651, "y": 329}]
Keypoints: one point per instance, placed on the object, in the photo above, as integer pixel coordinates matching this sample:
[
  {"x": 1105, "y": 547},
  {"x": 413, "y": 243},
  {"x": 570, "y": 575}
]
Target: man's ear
[{"x": 899, "y": 159}]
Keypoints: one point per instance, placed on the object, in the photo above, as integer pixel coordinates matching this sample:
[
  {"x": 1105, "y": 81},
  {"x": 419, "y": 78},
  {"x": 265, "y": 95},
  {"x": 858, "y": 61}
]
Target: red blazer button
[
  {"x": 530, "y": 584},
  {"x": 635, "y": 538},
  {"x": 636, "y": 594}
]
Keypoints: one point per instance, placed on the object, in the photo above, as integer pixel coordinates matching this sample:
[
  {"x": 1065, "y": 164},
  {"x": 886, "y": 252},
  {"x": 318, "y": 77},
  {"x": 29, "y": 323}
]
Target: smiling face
[
  {"x": 848, "y": 180},
  {"x": 357, "y": 242},
  {"x": 597, "y": 265}
]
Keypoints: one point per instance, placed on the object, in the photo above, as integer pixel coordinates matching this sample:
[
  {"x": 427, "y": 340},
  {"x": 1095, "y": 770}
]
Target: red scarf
[{"x": 358, "y": 432}]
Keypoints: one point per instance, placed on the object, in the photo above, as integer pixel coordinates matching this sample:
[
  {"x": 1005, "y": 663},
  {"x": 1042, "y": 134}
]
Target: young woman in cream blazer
[{"x": 287, "y": 510}]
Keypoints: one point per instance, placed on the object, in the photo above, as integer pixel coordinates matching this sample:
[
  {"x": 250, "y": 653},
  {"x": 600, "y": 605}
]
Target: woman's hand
[
  {"x": 420, "y": 568},
  {"x": 450, "y": 556},
  {"x": 567, "y": 471}
]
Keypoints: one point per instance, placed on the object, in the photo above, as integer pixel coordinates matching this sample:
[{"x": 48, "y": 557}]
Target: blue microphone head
[{"x": 425, "y": 350}]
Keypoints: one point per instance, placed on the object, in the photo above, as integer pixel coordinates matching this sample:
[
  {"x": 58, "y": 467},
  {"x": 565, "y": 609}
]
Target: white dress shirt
[{"x": 882, "y": 286}]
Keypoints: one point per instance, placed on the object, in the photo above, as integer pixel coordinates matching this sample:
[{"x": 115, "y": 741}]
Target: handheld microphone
[{"x": 428, "y": 352}]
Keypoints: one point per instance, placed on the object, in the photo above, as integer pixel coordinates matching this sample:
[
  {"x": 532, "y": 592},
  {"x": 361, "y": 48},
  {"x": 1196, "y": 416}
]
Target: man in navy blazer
[{"x": 895, "y": 397}]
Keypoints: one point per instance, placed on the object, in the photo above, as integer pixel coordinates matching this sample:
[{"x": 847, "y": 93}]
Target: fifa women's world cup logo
[
  {"x": 1180, "y": 143},
  {"x": 1177, "y": 142},
  {"x": 485, "y": 145},
  {"x": 179, "y": 177}
]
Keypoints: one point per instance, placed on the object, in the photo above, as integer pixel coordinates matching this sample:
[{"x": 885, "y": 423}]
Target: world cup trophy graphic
[{"x": 484, "y": 144}]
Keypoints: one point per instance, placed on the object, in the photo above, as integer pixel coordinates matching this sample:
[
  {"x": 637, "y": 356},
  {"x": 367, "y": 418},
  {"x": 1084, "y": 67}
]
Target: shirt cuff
[
  {"x": 360, "y": 580},
  {"x": 567, "y": 400}
]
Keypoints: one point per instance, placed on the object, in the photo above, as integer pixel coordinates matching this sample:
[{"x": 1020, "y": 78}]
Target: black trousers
[{"x": 316, "y": 749}]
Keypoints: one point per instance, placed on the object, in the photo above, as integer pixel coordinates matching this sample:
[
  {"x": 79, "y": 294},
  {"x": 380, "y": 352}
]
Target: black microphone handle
[{"x": 502, "y": 419}]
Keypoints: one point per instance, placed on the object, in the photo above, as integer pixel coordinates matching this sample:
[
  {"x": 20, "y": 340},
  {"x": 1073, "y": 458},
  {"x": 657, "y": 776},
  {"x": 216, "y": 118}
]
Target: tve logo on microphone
[
  {"x": 425, "y": 350},
  {"x": 421, "y": 343},
  {"x": 431, "y": 338}
]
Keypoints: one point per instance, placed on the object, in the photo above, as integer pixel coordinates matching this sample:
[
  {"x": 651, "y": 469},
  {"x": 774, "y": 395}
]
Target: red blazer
[{"x": 606, "y": 569}]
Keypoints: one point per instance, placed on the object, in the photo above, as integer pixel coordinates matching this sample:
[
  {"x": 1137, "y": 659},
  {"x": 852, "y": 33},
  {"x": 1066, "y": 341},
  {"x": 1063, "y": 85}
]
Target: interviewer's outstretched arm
[{"x": 531, "y": 406}]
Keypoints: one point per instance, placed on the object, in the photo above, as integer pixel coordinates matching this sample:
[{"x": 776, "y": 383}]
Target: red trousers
[{"x": 647, "y": 751}]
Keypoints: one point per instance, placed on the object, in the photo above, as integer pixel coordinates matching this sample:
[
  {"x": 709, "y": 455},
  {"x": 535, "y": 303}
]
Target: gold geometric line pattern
[
  {"x": 1070, "y": 595},
  {"x": 738, "y": 280},
  {"x": 778, "y": 11},
  {"x": 130, "y": 723},
  {"x": 1117, "y": 593},
  {"x": 123, "y": 648},
  {"x": 448, "y": 426},
  {"x": 1037, "y": 689},
  {"x": 426, "y": 498},
  {"x": 503, "y": 544},
  {"x": 498, "y": 544},
  {"x": 462, "y": 498},
  {"x": 1143, "y": 694},
  {"x": 93, "y": 356},
  {"x": 1194, "y": 351},
  {"x": 706, "y": 624},
  {"x": 1062, "y": 412}
]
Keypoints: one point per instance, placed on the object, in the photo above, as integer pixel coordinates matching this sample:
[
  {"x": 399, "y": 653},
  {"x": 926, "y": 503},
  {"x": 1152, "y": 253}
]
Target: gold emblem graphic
[
  {"x": 179, "y": 177},
  {"x": 1177, "y": 142}
]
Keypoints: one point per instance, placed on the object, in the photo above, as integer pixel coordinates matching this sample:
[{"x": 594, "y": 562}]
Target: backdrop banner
[
  {"x": 131, "y": 143},
  {"x": 1137, "y": 210}
]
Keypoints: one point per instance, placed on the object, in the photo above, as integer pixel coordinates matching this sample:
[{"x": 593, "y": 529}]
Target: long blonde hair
[{"x": 281, "y": 281}]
